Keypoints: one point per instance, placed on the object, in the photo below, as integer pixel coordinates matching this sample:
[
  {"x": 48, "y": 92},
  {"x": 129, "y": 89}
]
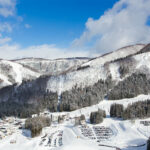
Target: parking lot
[
  {"x": 98, "y": 133},
  {"x": 52, "y": 140}
]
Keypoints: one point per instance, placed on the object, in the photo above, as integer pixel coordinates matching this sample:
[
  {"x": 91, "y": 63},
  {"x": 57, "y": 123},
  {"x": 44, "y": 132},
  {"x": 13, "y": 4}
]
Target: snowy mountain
[
  {"x": 65, "y": 89},
  {"x": 125, "y": 135},
  {"x": 96, "y": 79},
  {"x": 52, "y": 67},
  {"x": 92, "y": 71},
  {"x": 16, "y": 71},
  {"x": 11, "y": 73}
]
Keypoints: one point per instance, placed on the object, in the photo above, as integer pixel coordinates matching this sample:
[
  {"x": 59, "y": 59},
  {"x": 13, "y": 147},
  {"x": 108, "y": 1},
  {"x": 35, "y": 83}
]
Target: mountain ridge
[{"x": 86, "y": 83}]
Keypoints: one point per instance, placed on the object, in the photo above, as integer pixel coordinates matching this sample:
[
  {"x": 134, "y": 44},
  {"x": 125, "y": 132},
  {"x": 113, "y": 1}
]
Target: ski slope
[
  {"x": 96, "y": 69},
  {"x": 52, "y": 67},
  {"x": 126, "y": 135},
  {"x": 11, "y": 72}
]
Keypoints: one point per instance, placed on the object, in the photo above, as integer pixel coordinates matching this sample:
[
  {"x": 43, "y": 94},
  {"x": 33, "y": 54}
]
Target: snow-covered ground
[
  {"x": 11, "y": 72},
  {"x": 120, "y": 53},
  {"x": 125, "y": 135},
  {"x": 31, "y": 68},
  {"x": 96, "y": 69},
  {"x": 66, "y": 71},
  {"x": 53, "y": 67}
]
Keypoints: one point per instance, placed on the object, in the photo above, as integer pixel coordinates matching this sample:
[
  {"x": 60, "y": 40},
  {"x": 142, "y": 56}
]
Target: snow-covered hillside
[
  {"x": 63, "y": 75},
  {"x": 120, "y": 53},
  {"x": 80, "y": 72},
  {"x": 68, "y": 78},
  {"x": 90, "y": 72},
  {"x": 11, "y": 72},
  {"x": 52, "y": 67},
  {"x": 15, "y": 71},
  {"x": 125, "y": 135}
]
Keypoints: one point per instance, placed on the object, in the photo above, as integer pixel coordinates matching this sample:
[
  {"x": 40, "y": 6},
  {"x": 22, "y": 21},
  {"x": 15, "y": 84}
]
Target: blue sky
[
  {"x": 55, "y": 21},
  {"x": 71, "y": 28}
]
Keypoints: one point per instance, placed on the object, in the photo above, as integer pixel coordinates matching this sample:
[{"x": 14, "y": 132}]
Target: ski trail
[{"x": 60, "y": 88}]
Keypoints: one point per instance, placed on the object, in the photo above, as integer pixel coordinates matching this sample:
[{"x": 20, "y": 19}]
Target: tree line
[
  {"x": 36, "y": 124},
  {"x": 140, "y": 109}
]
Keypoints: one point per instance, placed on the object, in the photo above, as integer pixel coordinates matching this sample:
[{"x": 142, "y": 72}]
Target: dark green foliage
[
  {"x": 18, "y": 110},
  {"x": 82, "y": 117},
  {"x": 135, "y": 84},
  {"x": 136, "y": 110},
  {"x": 148, "y": 144},
  {"x": 123, "y": 70},
  {"x": 24, "y": 110},
  {"x": 83, "y": 97},
  {"x": 139, "y": 109},
  {"x": 83, "y": 67},
  {"x": 78, "y": 120},
  {"x": 32, "y": 96},
  {"x": 97, "y": 117},
  {"x": 116, "y": 110},
  {"x": 60, "y": 107},
  {"x": 145, "y": 49},
  {"x": 36, "y": 124},
  {"x": 104, "y": 114},
  {"x": 60, "y": 119},
  {"x": 130, "y": 87},
  {"x": 29, "y": 98}
]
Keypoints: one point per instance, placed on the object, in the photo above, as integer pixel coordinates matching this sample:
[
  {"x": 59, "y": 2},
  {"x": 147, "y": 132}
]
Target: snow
[
  {"x": 97, "y": 70},
  {"x": 65, "y": 70},
  {"x": 5, "y": 81},
  {"x": 114, "y": 71},
  {"x": 142, "y": 60},
  {"x": 105, "y": 105},
  {"x": 53, "y": 67},
  {"x": 72, "y": 142},
  {"x": 126, "y": 134},
  {"x": 11, "y": 72},
  {"x": 60, "y": 88},
  {"x": 120, "y": 53},
  {"x": 80, "y": 78}
]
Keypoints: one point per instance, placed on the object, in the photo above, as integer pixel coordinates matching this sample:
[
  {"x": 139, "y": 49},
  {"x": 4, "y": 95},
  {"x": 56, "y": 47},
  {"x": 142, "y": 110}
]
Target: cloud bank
[
  {"x": 14, "y": 51},
  {"x": 125, "y": 24},
  {"x": 7, "y": 7},
  {"x": 39, "y": 51},
  {"x": 128, "y": 22}
]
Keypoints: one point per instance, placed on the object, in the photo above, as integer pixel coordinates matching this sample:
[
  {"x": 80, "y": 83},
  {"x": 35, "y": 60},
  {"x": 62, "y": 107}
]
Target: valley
[
  {"x": 111, "y": 134},
  {"x": 93, "y": 104}
]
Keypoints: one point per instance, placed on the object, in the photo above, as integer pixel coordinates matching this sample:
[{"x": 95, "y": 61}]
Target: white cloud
[
  {"x": 5, "y": 27},
  {"x": 41, "y": 51},
  {"x": 12, "y": 51},
  {"x": 27, "y": 26},
  {"x": 7, "y": 7},
  {"x": 4, "y": 40},
  {"x": 124, "y": 24},
  {"x": 7, "y": 2},
  {"x": 6, "y": 12}
]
